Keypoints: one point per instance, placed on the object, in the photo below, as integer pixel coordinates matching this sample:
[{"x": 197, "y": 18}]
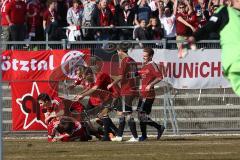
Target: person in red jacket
[
  {"x": 34, "y": 20},
  {"x": 16, "y": 14},
  {"x": 5, "y": 35}
]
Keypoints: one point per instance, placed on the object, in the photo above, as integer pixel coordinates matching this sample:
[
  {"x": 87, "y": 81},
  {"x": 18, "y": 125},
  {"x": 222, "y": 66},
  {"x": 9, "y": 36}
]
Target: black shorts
[
  {"x": 126, "y": 104},
  {"x": 145, "y": 105}
]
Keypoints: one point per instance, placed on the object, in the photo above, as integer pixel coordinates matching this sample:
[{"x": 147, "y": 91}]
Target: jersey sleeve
[
  {"x": 101, "y": 79},
  {"x": 156, "y": 71},
  {"x": 8, "y": 8},
  {"x": 215, "y": 24}
]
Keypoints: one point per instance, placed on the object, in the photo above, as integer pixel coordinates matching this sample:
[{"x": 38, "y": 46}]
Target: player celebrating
[
  {"x": 226, "y": 21},
  {"x": 68, "y": 128},
  {"x": 127, "y": 79},
  {"x": 150, "y": 75},
  {"x": 100, "y": 96}
]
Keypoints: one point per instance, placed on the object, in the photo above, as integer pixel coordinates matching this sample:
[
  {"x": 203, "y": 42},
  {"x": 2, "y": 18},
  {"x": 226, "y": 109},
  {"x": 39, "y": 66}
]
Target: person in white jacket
[{"x": 74, "y": 19}]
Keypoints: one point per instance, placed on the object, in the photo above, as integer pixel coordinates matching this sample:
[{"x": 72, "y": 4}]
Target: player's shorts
[
  {"x": 126, "y": 104},
  {"x": 145, "y": 105}
]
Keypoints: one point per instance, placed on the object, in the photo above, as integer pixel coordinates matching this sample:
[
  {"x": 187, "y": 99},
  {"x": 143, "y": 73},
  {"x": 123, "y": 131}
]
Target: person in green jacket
[{"x": 225, "y": 21}]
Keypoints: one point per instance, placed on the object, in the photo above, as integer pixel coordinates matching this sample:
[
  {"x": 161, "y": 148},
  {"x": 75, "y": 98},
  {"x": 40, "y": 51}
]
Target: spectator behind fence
[
  {"x": 111, "y": 6},
  {"x": 50, "y": 22},
  {"x": 183, "y": 27},
  {"x": 154, "y": 29},
  {"x": 74, "y": 20},
  {"x": 169, "y": 4},
  {"x": 133, "y": 3},
  {"x": 192, "y": 17},
  {"x": 154, "y": 5},
  {"x": 124, "y": 17},
  {"x": 168, "y": 21},
  {"x": 142, "y": 12},
  {"x": 16, "y": 16},
  {"x": 102, "y": 17},
  {"x": 213, "y": 35},
  {"x": 89, "y": 6},
  {"x": 5, "y": 33},
  {"x": 34, "y": 21},
  {"x": 50, "y": 18},
  {"x": 212, "y": 6},
  {"x": 202, "y": 13},
  {"x": 141, "y": 33},
  {"x": 62, "y": 8}
]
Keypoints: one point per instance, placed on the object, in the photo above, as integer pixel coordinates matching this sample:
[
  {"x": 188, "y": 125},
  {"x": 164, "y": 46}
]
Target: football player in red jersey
[
  {"x": 150, "y": 75},
  {"x": 128, "y": 81},
  {"x": 70, "y": 129},
  {"x": 101, "y": 97},
  {"x": 59, "y": 121}
]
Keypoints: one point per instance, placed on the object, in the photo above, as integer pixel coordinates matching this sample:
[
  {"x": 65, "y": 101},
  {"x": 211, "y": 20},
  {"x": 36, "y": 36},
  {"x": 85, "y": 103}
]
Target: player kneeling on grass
[
  {"x": 64, "y": 127},
  {"x": 150, "y": 75},
  {"x": 101, "y": 97}
]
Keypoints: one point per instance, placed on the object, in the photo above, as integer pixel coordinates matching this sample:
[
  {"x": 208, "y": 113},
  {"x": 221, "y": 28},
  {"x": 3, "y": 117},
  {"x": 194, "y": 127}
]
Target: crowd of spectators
[{"x": 143, "y": 20}]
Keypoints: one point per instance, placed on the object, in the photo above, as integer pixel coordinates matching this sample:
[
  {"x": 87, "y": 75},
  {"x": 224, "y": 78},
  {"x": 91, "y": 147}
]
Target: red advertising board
[
  {"x": 42, "y": 65},
  {"x": 33, "y": 72}
]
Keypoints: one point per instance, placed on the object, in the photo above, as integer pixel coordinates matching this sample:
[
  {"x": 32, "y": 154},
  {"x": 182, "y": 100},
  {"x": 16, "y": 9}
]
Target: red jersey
[
  {"x": 34, "y": 18},
  {"x": 193, "y": 20},
  {"x": 149, "y": 73},
  {"x": 128, "y": 69},
  {"x": 105, "y": 17},
  {"x": 4, "y": 21},
  {"x": 78, "y": 133},
  {"x": 93, "y": 100},
  {"x": 16, "y": 10},
  {"x": 52, "y": 110},
  {"x": 49, "y": 16},
  {"x": 79, "y": 81},
  {"x": 111, "y": 6},
  {"x": 61, "y": 104},
  {"x": 103, "y": 94},
  {"x": 51, "y": 128},
  {"x": 181, "y": 29}
]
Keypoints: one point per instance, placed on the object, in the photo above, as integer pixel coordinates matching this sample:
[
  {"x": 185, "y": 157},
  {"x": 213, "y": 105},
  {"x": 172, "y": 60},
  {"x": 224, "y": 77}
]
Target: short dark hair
[
  {"x": 76, "y": 1},
  {"x": 123, "y": 48},
  {"x": 43, "y": 97},
  {"x": 149, "y": 50},
  {"x": 50, "y": 2}
]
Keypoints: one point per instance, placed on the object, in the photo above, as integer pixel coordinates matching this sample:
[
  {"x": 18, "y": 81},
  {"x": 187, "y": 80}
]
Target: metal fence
[
  {"x": 180, "y": 110},
  {"x": 64, "y": 44}
]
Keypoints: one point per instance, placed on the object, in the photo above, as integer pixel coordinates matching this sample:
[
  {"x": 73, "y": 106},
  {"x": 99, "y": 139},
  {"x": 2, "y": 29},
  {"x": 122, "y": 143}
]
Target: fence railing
[{"x": 64, "y": 44}]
